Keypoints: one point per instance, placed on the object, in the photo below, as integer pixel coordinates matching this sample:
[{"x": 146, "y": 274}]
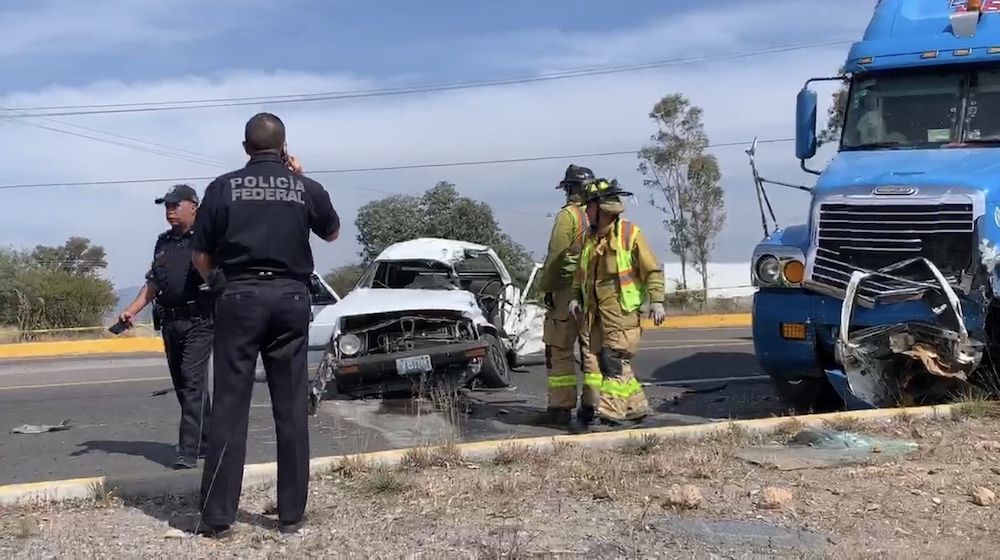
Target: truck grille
[{"x": 872, "y": 237}]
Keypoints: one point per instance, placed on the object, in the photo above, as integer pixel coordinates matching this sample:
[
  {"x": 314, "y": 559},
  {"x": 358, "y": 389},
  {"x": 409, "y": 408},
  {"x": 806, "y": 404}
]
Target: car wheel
[
  {"x": 496, "y": 372},
  {"x": 808, "y": 395}
]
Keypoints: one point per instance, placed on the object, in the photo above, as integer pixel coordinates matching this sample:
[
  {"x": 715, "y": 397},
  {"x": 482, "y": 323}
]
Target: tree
[
  {"x": 442, "y": 213},
  {"x": 54, "y": 287},
  {"x": 343, "y": 279},
  {"x": 835, "y": 115},
  {"x": 707, "y": 212},
  {"x": 684, "y": 181},
  {"x": 77, "y": 257}
]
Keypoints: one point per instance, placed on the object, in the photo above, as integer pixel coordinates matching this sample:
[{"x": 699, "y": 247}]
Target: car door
[
  {"x": 525, "y": 320},
  {"x": 322, "y": 299}
]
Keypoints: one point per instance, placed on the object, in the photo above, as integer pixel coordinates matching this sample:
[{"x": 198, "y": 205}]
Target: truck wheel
[
  {"x": 496, "y": 372},
  {"x": 808, "y": 395}
]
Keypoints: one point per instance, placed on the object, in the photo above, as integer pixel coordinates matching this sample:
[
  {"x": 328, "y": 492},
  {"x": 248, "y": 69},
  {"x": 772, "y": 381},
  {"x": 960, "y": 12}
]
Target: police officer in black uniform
[
  {"x": 185, "y": 312},
  {"x": 251, "y": 243}
]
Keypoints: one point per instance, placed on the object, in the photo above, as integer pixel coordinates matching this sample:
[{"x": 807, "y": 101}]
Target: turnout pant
[
  {"x": 269, "y": 317},
  {"x": 622, "y": 398},
  {"x": 188, "y": 345},
  {"x": 561, "y": 335}
]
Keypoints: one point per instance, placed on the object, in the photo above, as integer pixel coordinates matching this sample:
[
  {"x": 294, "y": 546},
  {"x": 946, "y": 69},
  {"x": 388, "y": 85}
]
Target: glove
[
  {"x": 574, "y": 309},
  {"x": 550, "y": 302},
  {"x": 657, "y": 313}
]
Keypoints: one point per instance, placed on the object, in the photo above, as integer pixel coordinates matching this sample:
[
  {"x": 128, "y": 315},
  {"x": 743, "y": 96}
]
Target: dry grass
[
  {"x": 845, "y": 424},
  {"x": 385, "y": 480},
  {"x": 514, "y": 454},
  {"x": 447, "y": 455},
  {"x": 351, "y": 466},
  {"x": 583, "y": 502},
  {"x": 640, "y": 445}
]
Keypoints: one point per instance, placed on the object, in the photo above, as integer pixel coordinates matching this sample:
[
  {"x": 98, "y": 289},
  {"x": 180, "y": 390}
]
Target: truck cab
[{"x": 884, "y": 294}]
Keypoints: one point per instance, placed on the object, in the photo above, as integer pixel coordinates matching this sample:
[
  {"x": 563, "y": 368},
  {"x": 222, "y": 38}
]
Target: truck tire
[
  {"x": 808, "y": 395},
  {"x": 496, "y": 371}
]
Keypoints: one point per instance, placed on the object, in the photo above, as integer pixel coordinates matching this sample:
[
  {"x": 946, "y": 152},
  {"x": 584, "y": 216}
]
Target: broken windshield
[{"x": 413, "y": 275}]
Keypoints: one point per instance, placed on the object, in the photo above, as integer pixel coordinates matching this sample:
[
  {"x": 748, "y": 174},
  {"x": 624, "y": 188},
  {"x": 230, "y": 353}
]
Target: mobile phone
[{"x": 119, "y": 327}]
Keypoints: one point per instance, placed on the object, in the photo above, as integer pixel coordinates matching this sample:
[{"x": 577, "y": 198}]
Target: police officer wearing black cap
[
  {"x": 251, "y": 243},
  {"x": 173, "y": 286}
]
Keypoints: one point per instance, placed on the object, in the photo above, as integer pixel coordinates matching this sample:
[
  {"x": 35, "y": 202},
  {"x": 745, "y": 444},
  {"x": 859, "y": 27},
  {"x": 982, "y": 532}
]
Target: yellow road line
[
  {"x": 691, "y": 346},
  {"x": 80, "y": 383}
]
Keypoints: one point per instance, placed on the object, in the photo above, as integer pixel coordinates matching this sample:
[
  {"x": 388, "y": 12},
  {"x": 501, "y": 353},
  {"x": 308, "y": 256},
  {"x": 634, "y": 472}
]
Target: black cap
[
  {"x": 178, "y": 193},
  {"x": 576, "y": 174}
]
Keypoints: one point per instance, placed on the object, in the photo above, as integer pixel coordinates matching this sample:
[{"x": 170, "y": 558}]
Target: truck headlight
[
  {"x": 769, "y": 269},
  {"x": 349, "y": 344}
]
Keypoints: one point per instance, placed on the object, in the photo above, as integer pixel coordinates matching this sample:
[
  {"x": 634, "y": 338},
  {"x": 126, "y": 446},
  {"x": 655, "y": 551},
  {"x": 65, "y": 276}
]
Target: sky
[{"x": 62, "y": 52}]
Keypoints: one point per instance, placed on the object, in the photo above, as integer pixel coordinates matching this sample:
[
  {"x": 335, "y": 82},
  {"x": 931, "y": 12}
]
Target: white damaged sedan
[{"x": 426, "y": 311}]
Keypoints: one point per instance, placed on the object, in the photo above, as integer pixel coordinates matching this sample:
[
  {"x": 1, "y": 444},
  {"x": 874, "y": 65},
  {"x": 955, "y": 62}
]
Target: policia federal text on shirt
[
  {"x": 251, "y": 242},
  {"x": 185, "y": 314}
]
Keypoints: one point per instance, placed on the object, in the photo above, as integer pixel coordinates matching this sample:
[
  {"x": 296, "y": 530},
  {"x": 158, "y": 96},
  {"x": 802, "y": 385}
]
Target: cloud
[{"x": 741, "y": 99}]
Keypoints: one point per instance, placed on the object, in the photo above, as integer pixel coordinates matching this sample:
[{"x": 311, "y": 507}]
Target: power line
[
  {"x": 373, "y": 169},
  {"x": 95, "y": 109}
]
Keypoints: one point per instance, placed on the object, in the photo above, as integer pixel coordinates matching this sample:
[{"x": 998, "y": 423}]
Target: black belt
[
  {"x": 260, "y": 275},
  {"x": 190, "y": 310}
]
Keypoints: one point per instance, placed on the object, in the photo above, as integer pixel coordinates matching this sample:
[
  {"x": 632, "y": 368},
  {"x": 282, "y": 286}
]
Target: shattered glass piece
[
  {"x": 40, "y": 428},
  {"x": 819, "y": 449}
]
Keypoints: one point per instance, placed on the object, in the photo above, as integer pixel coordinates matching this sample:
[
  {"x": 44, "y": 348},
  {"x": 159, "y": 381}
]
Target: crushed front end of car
[{"x": 399, "y": 351}]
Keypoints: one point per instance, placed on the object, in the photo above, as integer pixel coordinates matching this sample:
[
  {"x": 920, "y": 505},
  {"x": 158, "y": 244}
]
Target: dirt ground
[{"x": 649, "y": 498}]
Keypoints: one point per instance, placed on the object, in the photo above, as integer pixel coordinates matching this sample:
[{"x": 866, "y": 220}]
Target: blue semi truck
[{"x": 887, "y": 294}]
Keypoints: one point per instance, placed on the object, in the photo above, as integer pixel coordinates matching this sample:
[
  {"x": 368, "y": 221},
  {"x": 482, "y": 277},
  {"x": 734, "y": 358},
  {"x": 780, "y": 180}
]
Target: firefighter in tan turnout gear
[
  {"x": 562, "y": 333},
  {"x": 617, "y": 273}
]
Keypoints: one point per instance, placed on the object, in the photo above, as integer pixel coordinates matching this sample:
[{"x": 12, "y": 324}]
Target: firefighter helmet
[
  {"x": 603, "y": 188},
  {"x": 576, "y": 176}
]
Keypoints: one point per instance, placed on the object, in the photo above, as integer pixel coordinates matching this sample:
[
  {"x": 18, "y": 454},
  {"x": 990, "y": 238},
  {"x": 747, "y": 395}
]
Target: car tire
[
  {"x": 808, "y": 395},
  {"x": 496, "y": 372}
]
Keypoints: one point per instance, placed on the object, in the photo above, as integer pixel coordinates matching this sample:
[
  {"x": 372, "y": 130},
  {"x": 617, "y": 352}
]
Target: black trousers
[
  {"x": 270, "y": 317},
  {"x": 188, "y": 345}
]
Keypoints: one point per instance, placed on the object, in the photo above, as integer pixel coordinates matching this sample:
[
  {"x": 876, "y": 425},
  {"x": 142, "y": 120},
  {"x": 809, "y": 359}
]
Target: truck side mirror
[{"x": 805, "y": 124}]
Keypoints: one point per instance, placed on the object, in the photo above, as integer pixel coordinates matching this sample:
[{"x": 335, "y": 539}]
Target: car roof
[{"x": 448, "y": 251}]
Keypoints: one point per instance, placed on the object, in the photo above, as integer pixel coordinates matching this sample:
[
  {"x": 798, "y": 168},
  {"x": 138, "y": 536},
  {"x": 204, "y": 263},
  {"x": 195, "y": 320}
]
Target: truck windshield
[{"x": 904, "y": 110}]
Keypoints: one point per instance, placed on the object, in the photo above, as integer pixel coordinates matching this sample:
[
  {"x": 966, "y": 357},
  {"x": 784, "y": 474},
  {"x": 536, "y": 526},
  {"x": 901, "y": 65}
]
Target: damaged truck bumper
[
  {"x": 905, "y": 363},
  {"x": 932, "y": 340}
]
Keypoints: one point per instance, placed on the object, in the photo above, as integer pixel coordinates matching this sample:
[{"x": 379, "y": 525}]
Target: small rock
[
  {"x": 685, "y": 497},
  {"x": 937, "y": 501},
  {"x": 175, "y": 534},
  {"x": 988, "y": 445},
  {"x": 602, "y": 494},
  {"x": 995, "y": 470},
  {"x": 775, "y": 498},
  {"x": 872, "y": 507},
  {"x": 983, "y": 497}
]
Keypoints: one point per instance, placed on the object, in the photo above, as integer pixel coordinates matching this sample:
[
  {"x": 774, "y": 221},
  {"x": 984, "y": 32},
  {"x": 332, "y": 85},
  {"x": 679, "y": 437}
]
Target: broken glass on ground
[
  {"x": 40, "y": 428},
  {"x": 818, "y": 449}
]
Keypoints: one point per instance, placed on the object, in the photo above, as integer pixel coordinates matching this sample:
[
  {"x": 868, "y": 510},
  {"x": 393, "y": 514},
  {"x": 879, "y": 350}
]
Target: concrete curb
[
  {"x": 154, "y": 345},
  {"x": 266, "y": 473}
]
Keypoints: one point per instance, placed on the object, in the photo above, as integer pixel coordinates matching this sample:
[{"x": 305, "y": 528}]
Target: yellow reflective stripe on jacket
[
  {"x": 556, "y": 381},
  {"x": 620, "y": 389},
  {"x": 594, "y": 380}
]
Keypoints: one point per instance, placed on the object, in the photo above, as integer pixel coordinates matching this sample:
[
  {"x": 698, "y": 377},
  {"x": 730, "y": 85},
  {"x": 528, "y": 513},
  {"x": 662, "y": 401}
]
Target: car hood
[{"x": 366, "y": 301}]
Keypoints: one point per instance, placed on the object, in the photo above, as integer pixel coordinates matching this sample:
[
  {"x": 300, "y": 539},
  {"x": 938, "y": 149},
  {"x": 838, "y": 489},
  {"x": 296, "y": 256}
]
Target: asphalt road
[{"x": 118, "y": 427}]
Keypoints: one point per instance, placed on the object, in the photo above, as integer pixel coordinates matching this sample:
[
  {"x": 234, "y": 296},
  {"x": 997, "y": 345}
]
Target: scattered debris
[
  {"x": 988, "y": 446},
  {"x": 687, "y": 496},
  {"x": 161, "y": 392},
  {"x": 775, "y": 498},
  {"x": 175, "y": 534},
  {"x": 983, "y": 497},
  {"x": 40, "y": 428},
  {"x": 816, "y": 449}
]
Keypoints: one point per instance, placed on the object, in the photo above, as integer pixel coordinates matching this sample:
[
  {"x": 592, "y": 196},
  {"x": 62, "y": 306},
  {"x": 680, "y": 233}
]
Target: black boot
[
  {"x": 555, "y": 417},
  {"x": 585, "y": 416}
]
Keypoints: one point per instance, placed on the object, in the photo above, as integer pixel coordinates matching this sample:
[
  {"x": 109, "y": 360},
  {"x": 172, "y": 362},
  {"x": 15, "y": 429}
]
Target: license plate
[{"x": 414, "y": 364}]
